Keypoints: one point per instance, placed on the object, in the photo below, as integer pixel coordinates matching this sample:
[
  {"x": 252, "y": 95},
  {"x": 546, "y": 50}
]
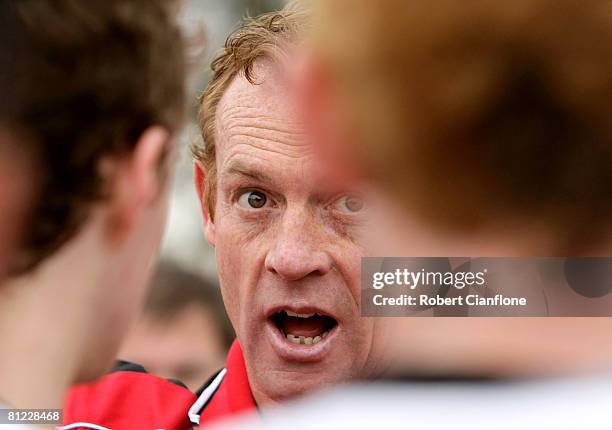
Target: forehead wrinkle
[
  {"x": 269, "y": 140},
  {"x": 260, "y": 134},
  {"x": 259, "y": 165},
  {"x": 260, "y": 125},
  {"x": 239, "y": 168},
  {"x": 243, "y": 99},
  {"x": 240, "y": 112},
  {"x": 265, "y": 155},
  {"x": 265, "y": 123},
  {"x": 264, "y": 158},
  {"x": 272, "y": 149}
]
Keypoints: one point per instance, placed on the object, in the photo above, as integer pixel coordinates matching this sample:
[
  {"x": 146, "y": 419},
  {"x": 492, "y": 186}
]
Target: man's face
[{"x": 287, "y": 246}]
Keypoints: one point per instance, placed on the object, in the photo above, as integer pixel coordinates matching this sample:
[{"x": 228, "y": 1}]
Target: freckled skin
[{"x": 300, "y": 248}]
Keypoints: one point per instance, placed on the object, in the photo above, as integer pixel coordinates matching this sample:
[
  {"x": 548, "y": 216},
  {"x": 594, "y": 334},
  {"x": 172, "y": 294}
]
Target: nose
[{"x": 298, "y": 250}]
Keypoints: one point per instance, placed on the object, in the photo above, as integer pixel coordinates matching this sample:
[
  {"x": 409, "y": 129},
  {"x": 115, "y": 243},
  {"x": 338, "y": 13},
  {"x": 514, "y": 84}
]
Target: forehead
[
  {"x": 259, "y": 123},
  {"x": 269, "y": 93}
]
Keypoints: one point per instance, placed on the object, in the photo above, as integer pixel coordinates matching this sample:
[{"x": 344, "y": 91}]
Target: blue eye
[
  {"x": 350, "y": 204},
  {"x": 252, "y": 200}
]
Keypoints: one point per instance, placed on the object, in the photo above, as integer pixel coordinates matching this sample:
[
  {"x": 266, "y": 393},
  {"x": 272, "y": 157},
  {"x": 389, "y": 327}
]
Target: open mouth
[{"x": 303, "y": 329}]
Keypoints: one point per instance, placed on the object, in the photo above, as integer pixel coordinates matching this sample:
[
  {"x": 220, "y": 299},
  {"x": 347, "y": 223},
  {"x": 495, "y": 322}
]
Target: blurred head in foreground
[
  {"x": 183, "y": 333},
  {"x": 487, "y": 127},
  {"x": 287, "y": 241},
  {"x": 96, "y": 90}
]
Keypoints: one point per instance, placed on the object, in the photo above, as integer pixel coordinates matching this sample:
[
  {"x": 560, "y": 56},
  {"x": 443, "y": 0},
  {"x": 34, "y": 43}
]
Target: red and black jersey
[
  {"x": 227, "y": 393},
  {"x": 131, "y": 399}
]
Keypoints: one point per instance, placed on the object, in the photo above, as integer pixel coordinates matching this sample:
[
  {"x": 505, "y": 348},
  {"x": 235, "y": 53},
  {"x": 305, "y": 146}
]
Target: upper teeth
[{"x": 293, "y": 314}]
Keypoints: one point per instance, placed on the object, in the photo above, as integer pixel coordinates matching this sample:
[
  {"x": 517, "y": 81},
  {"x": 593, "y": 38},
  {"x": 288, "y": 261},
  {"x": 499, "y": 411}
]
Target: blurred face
[
  {"x": 287, "y": 246},
  {"x": 450, "y": 346},
  {"x": 187, "y": 346}
]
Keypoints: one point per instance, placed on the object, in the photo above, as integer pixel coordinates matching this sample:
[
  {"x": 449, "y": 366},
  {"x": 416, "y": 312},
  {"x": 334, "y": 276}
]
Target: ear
[
  {"x": 209, "y": 224},
  {"x": 136, "y": 181},
  {"x": 326, "y": 118}
]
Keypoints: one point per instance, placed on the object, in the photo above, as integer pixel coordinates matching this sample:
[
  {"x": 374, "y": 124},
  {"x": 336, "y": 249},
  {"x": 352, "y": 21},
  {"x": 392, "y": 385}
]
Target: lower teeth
[{"x": 302, "y": 340}]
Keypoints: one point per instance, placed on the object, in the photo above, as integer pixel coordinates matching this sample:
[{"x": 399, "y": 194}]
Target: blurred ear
[
  {"x": 136, "y": 181},
  {"x": 209, "y": 224},
  {"x": 326, "y": 117}
]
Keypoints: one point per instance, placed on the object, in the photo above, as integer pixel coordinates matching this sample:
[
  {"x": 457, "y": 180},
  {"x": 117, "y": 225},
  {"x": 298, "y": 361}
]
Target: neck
[
  {"x": 261, "y": 398},
  {"x": 43, "y": 322}
]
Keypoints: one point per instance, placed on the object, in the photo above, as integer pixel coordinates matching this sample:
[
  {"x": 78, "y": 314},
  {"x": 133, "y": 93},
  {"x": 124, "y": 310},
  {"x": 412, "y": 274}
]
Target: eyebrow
[{"x": 240, "y": 169}]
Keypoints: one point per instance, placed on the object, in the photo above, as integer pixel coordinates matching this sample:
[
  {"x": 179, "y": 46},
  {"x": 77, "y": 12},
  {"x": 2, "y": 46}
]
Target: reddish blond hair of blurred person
[{"x": 488, "y": 126}]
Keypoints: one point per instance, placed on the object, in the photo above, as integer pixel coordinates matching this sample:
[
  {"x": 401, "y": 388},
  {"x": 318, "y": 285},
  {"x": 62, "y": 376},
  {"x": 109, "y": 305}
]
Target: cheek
[
  {"x": 228, "y": 265},
  {"x": 239, "y": 265},
  {"x": 348, "y": 261}
]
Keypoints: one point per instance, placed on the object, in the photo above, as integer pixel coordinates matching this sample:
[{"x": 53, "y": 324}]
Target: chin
[
  {"x": 295, "y": 386},
  {"x": 279, "y": 379}
]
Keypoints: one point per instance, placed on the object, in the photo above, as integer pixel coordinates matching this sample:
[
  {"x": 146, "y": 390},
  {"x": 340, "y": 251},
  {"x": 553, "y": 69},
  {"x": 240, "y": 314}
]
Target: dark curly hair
[{"x": 80, "y": 81}]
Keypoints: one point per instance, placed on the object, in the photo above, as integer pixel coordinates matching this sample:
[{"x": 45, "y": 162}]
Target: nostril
[
  {"x": 269, "y": 263},
  {"x": 319, "y": 272}
]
